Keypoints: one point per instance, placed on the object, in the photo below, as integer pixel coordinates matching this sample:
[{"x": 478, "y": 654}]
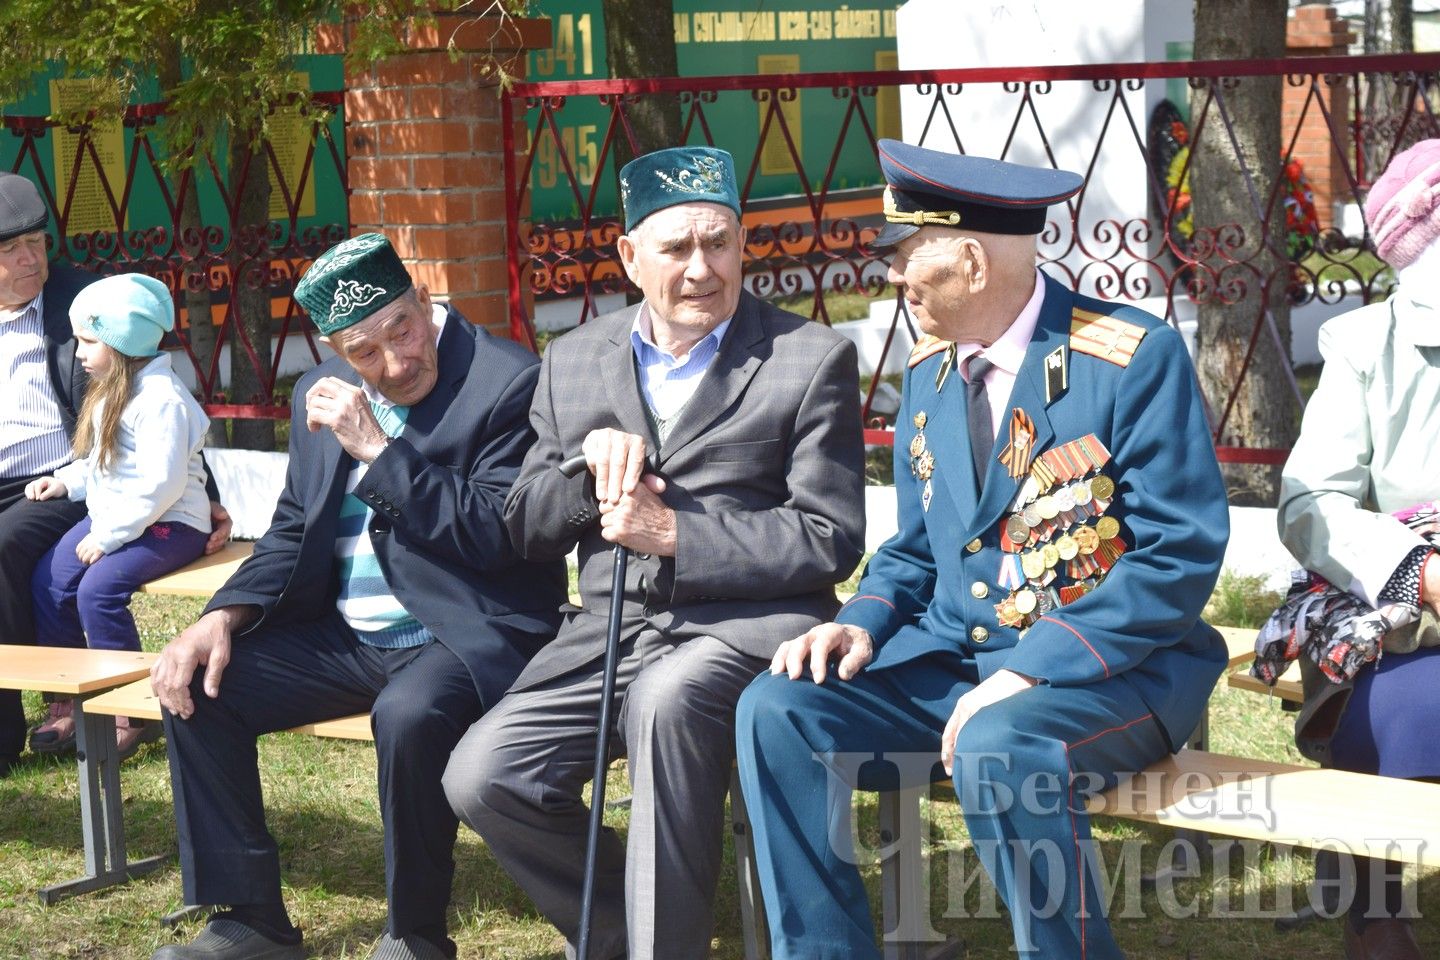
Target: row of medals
[
  {"x": 1047, "y": 535},
  {"x": 1032, "y": 554}
]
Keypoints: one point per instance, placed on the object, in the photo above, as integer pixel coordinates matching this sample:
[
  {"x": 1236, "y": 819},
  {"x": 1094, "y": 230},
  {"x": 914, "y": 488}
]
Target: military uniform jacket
[{"x": 937, "y": 586}]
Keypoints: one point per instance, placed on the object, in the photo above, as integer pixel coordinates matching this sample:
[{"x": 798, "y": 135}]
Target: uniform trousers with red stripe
[{"x": 1022, "y": 769}]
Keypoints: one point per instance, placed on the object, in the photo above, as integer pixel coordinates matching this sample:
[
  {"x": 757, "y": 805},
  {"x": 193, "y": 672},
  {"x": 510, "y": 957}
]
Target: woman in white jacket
[
  {"x": 139, "y": 471},
  {"x": 1369, "y": 449}
]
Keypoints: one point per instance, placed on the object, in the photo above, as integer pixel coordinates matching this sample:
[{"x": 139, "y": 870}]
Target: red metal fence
[
  {"x": 118, "y": 209},
  {"x": 1113, "y": 241}
]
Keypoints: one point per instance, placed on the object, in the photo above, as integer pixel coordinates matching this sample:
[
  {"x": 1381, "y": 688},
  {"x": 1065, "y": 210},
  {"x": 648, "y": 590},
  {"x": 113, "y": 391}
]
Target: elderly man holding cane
[{"x": 724, "y": 449}]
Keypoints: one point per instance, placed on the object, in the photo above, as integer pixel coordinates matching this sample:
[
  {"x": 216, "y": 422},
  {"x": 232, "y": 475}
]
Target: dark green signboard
[
  {"x": 724, "y": 37},
  {"x": 321, "y": 202}
]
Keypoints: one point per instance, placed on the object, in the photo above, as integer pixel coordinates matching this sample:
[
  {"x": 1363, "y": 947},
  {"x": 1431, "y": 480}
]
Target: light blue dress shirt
[{"x": 668, "y": 382}]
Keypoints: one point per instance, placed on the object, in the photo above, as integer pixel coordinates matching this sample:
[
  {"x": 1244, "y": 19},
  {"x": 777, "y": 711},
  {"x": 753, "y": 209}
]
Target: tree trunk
[
  {"x": 1243, "y": 268},
  {"x": 193, "y": 280},
  {"x": 249, "y": 289},
  {"x": 640, "y": 42},
  {"x": 1402, "y": 26}
]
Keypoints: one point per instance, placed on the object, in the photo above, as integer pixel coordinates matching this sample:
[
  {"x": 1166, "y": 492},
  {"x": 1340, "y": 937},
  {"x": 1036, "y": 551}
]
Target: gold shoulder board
[
  {"x": 926, "y": 346},
  {"x": 1101, "y": 335}
]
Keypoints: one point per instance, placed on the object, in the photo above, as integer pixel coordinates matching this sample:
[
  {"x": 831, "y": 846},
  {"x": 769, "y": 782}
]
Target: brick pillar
[
  {"x": 425, "y": 154},
  {"x": 1315, "y": 30}
]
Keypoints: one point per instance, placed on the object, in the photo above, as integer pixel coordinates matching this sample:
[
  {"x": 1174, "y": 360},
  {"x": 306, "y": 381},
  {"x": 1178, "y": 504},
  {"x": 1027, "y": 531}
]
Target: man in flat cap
[
  {"x": 724, "y": 447},
  {"x": 1033, "y": 624},
  {"x": 42, "y": 385},
  {"x": 386, "y": 583}
]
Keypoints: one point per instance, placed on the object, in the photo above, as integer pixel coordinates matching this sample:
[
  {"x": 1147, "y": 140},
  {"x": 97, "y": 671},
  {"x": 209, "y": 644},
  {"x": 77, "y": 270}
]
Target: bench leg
[
  {"x": 753, "y": 927},
  {"x": 904, "y": 881},
  {"x": 1187, "y": 852},
  {"x": 102, "y": 815}
]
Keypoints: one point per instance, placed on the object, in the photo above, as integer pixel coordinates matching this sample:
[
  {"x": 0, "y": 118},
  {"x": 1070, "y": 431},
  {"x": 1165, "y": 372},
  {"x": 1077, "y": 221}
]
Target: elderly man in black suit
[
  {"x": 41, "y": 387},
  {"x": 386, "y": 583}
]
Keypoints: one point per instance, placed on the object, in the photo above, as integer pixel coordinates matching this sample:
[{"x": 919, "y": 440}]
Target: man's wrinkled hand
[
  {"x": 998, "y": 686},
  {"x": 640, "y": 520},
  {"x": 205, "y": 643},
  {"x": 617, "y": 460},
  {"x": 852, "y": 645},
  {"x": 342, "y": 408}
]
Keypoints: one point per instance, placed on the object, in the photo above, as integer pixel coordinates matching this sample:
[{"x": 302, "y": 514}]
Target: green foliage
[
  {"x": 223, "y": 68},
  {"x": 1241, "y": 601}
]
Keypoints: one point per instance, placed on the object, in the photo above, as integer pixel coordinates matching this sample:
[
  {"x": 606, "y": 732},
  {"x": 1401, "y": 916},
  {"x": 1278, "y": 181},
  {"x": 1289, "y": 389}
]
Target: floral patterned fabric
[{"x": 1337, "y": 630}]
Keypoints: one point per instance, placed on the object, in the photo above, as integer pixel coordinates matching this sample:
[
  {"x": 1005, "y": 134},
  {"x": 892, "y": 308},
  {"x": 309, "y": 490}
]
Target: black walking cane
[{"x": 571, "y": 468}]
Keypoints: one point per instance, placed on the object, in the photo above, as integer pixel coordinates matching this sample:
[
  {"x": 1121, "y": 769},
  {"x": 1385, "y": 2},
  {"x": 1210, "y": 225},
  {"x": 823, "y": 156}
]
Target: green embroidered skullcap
[
  {"x": 352, "y": 280},
  {"x": 677, "y": 175}
]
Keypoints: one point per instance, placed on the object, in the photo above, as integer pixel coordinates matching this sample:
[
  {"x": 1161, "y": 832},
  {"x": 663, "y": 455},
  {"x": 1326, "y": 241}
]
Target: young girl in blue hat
[{"x": 139, "y": 471}]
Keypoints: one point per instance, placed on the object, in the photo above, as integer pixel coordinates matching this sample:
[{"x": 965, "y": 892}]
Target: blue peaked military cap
[{"x": 928, "y": 187}]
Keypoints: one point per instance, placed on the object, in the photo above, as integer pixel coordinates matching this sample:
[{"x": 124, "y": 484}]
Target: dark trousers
[
  {"x": 1020, "y": 768},
  {"x": 421, "y": 700},
  {"x": 78, "y": 604},
  {"x": 27, "y": 529}
]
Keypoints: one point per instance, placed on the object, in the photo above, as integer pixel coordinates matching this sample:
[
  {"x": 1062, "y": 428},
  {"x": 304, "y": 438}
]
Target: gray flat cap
[{"x": 21, "y": 209}]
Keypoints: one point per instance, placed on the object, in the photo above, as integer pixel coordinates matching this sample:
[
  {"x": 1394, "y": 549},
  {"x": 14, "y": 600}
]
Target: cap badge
[
  {"x": 351, "y": 295},
  {"x": 941, "y": 218},
  {"x": 708, "y": 176}
]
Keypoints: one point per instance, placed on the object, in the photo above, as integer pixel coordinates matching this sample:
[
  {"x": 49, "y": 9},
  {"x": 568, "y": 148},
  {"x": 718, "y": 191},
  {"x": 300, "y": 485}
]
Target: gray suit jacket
[{"x": 764, "y": 469}]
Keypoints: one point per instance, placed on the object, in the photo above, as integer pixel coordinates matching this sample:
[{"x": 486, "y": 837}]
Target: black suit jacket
[
  {"x": 437, "y": 493},
  {"x": 67, "y": 376}
]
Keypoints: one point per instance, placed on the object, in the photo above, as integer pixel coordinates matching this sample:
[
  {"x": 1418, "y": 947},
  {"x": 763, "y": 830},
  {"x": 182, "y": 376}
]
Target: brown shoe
[
  {"x": 1384, "y": 939},
  {"x": 57, "y": 733},
  {"x": 130, "y": 733}
]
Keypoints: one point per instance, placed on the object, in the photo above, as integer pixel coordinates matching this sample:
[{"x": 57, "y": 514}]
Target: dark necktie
[{"x": 982, "y": 430}]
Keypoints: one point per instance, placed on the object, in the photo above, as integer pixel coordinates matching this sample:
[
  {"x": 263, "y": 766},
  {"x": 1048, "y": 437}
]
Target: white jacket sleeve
[
  {"x": 1326, "y": 485},
  {"x": 74, "y": 475},
  {"x": 154, "y": 477}
]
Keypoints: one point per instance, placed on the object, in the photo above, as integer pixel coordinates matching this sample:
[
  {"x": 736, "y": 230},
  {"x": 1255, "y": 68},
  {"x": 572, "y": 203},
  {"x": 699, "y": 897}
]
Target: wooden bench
[
  {"x": 1234, "y": 797},
  {"x": 1241, "y": 642},
  {"x": 138, "y": 700},
  {"x": 79, "y": 673},
  {"x": 203, "y": 577}
]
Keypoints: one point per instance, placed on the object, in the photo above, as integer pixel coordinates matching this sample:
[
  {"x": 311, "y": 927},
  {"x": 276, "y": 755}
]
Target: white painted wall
[{"x": 943, "y": 34}]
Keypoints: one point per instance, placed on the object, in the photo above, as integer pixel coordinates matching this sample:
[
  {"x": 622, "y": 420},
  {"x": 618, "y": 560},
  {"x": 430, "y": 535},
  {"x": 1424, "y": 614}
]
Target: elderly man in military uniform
[{"x": 1034, "y": 620}]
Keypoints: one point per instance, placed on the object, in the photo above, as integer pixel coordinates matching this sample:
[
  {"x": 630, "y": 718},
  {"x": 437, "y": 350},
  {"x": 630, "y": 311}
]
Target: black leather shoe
[
  {"x": 227, "y": 939},
  {"x": 1387, "y": 939},
  {"x": 410, "y": 947}
]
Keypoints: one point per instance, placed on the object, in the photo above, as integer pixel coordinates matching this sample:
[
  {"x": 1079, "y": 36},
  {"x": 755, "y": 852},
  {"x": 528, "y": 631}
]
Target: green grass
[
  {"x": 841, "y": 306},
  {"x": 1359, "y": 266},
  {"x": 1241, "y": 601},
  {"x": 322, "y": 808}
]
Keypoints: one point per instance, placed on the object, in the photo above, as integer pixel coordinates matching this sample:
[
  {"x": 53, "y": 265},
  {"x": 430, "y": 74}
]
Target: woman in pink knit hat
[{"x": 1357, "y": 507}]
